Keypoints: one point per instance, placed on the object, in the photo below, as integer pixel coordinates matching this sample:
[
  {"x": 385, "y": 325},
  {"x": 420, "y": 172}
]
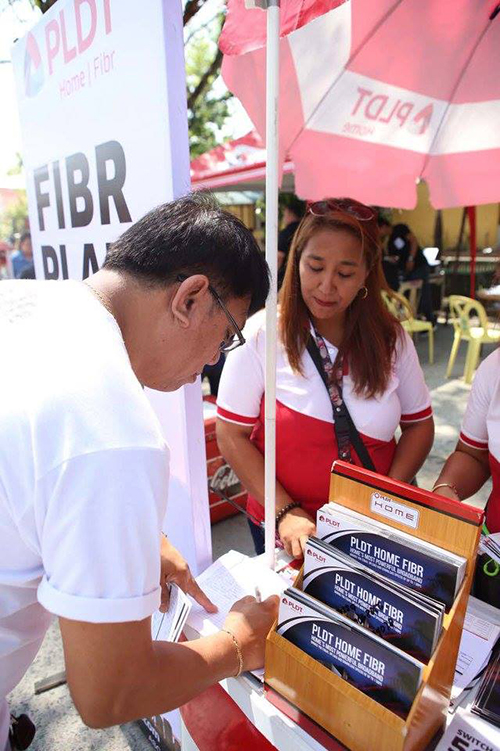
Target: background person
[
  {"x": 412, "y": 265},
  {"x": 390, "y": 265},
  {"x": 84, "y": 467},
  {"x": 293, "y": 211},
  {"x": 23, "y": 257},
  {"x": 477, "y": 454},
  {"x": 331, "y": 291}
]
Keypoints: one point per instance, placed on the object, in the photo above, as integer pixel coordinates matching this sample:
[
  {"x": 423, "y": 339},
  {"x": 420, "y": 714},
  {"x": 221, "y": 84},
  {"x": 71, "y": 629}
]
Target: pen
[{"x": 258, "y": 596}]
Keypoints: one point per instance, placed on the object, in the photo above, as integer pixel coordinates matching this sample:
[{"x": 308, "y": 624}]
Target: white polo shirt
[
  {"x": 481, "y": 427},
  {"x": 83, "y": 473},
  {"x": 306, "y": 444}
]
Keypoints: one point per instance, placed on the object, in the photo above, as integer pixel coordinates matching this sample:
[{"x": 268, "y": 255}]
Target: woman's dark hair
[
  {"x": 24, "y": 236},
  {"x": 371, "y": 332},
  {"x": 193, "y": 235}
]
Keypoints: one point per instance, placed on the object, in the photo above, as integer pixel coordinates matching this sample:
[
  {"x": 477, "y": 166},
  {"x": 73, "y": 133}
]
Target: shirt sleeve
[
  {"x": 412, "y": 390},
  {"x": 474, "y": 430},
  {"x": 241, "y": 386},
  {"x": 99, "y": 525}
]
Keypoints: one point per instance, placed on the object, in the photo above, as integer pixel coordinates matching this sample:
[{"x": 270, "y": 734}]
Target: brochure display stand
[{"x": 342, "y": 710}]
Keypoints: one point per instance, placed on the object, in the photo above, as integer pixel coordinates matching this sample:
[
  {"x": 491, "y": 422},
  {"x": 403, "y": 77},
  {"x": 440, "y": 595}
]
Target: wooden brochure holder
[{"x": 353, "y": 718}]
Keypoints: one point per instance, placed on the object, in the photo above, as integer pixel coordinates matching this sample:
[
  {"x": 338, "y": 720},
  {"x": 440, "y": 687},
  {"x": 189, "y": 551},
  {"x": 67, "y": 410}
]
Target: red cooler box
[{"x": 219, "y": 473}]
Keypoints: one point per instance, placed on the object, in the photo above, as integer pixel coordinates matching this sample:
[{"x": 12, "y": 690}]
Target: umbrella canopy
[
  {"x": 240, "y": 163},
  {"x": 377, "y": 95}
]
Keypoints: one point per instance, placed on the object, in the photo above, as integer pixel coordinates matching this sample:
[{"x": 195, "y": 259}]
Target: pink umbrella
[
  {"x": 373, "y": 96},
  {"x": 377, "y": 95}
]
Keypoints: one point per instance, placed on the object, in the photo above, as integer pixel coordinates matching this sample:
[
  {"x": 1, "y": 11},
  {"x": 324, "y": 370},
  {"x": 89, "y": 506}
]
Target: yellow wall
[
  {"x": 421, "y": 221},
  {"x": 245, "y": 212}
]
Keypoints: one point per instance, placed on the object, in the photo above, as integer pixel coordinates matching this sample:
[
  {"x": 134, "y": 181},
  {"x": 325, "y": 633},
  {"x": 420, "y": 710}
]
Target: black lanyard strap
[{"x": 345, "y": 429}]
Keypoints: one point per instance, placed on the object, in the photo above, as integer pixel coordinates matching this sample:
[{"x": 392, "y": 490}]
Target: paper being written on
[{"x": 230, "y": 578}]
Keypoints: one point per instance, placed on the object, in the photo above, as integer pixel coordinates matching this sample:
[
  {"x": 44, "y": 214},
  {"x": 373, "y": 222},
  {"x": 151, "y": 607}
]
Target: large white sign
[{"x": 101, "y": 90}]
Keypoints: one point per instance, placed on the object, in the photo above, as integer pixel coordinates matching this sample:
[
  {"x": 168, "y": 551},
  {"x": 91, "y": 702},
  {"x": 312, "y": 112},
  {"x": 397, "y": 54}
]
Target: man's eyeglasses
[
  {"x": 236, "y": 339},
  {"x": 356, "y": 209}
]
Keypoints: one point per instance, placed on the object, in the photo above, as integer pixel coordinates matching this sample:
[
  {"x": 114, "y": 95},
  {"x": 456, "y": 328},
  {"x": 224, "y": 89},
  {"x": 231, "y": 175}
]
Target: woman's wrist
[{"x": 446, "y": 485}]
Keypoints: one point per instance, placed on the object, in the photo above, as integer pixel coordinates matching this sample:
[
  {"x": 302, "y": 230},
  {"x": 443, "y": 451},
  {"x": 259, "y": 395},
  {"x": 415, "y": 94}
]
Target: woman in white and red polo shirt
[
  {"x": 331, "y": 292},
  {"x": 477, "y": 455}
]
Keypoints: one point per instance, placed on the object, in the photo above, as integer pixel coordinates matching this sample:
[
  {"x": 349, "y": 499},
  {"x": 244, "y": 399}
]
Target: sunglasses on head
[{"x": 358, "y": 210}]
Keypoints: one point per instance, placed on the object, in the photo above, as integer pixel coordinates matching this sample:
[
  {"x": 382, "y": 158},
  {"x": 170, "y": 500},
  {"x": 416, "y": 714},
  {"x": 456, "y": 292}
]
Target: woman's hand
[{"x": 294, "y": 530}]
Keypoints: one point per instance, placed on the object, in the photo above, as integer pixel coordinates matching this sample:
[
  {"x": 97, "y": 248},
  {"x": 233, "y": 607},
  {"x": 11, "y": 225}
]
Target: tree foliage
[
  {"x": 14, "y": 220},
  {"x": 207, "y": 109}
]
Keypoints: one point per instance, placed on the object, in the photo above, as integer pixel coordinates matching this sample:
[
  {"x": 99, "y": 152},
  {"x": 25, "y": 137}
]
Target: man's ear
[{"x": 188, "y": 298}]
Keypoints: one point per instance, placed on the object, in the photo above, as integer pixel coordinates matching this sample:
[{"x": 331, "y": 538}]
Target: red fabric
[
  {"x": 482, "y": 445},
  {"x": 216, "y": 723},
  {"x": 307, "y": 479},
  {"x": 493, "y": 507},
  {"x": 245, "y": 29},
  {"x": 423, "y": 415}
]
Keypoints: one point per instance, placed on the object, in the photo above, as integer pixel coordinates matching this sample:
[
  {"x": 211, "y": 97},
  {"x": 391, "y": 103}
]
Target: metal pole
[{"x": 272, "y": 92}]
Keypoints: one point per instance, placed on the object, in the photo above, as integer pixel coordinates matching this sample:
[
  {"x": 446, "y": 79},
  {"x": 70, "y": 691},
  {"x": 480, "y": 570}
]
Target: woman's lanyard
[{"x": 334, "y": 376}]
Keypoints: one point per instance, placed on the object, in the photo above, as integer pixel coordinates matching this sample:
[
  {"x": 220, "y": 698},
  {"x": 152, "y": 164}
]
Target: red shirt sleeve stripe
[
  {"x": 482, "y": 445},
  {"x": 417, "y": 416},
  {"x": 225, "y": 414}
]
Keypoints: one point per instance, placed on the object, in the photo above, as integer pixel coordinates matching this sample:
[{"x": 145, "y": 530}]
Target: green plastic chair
[
  {"x": 400, "y": 308},
  {"x": 471, "y": 324}
]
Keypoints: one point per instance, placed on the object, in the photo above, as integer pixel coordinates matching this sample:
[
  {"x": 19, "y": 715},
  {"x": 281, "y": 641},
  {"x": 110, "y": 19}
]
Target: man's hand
[
  {"x": 294, "y": 530},
  {"x": 174, "y": 569},
  {"x": 250, "y": 622}
]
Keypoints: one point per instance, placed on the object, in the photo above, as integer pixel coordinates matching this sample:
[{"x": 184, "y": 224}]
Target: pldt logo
[
  {"x": 34, "y": 77},
  {"x": 315, "y": 555},
  {"x": 292, "y": 605},
  {"x": 386, "y": 109},
  {"x": 331, "y": 522}
]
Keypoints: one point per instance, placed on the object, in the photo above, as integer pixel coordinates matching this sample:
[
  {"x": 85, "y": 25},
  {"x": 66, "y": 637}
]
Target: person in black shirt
[
  {"x": 292, "y": 216},
  {"x": 412, "y": 265}
]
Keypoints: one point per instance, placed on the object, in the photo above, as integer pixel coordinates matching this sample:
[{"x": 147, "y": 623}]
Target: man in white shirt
[{"x": 84, "y": 467}]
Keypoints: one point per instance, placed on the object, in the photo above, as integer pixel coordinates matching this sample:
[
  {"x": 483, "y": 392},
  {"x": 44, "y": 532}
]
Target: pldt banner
[{"x": 103, "y": 115}]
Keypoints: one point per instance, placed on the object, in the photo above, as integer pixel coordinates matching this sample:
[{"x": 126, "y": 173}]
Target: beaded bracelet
[
  {"x": 285, "y": 510},
  {"x": 238, "y": 651}
]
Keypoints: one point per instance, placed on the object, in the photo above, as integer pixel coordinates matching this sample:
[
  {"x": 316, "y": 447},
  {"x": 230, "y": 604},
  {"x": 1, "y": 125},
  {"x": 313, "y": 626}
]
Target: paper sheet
[{"x": 168, "y": 626}]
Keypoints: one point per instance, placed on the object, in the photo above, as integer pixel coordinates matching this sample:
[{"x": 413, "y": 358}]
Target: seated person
[{"x": 412, "y": 265}]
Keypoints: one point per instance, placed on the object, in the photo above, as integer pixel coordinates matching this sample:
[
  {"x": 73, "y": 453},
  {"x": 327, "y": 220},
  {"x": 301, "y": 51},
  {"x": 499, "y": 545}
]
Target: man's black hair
[
  {"x": 24, "y": 236},
  {"x": 193, "y": 235}
]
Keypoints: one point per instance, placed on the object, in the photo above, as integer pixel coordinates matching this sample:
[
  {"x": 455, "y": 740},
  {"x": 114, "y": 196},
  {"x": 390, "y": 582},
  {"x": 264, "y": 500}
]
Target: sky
[{"x": 15, "y": 22}]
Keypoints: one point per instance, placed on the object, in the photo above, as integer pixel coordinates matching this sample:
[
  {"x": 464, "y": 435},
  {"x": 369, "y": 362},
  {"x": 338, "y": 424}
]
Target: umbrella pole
[
  {"x": 471, "y": 211},
  {"x": 272, "y": 91}
]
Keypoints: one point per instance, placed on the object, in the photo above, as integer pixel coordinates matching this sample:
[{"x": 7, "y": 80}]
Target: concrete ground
[{"x": 59, "y": 726}]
